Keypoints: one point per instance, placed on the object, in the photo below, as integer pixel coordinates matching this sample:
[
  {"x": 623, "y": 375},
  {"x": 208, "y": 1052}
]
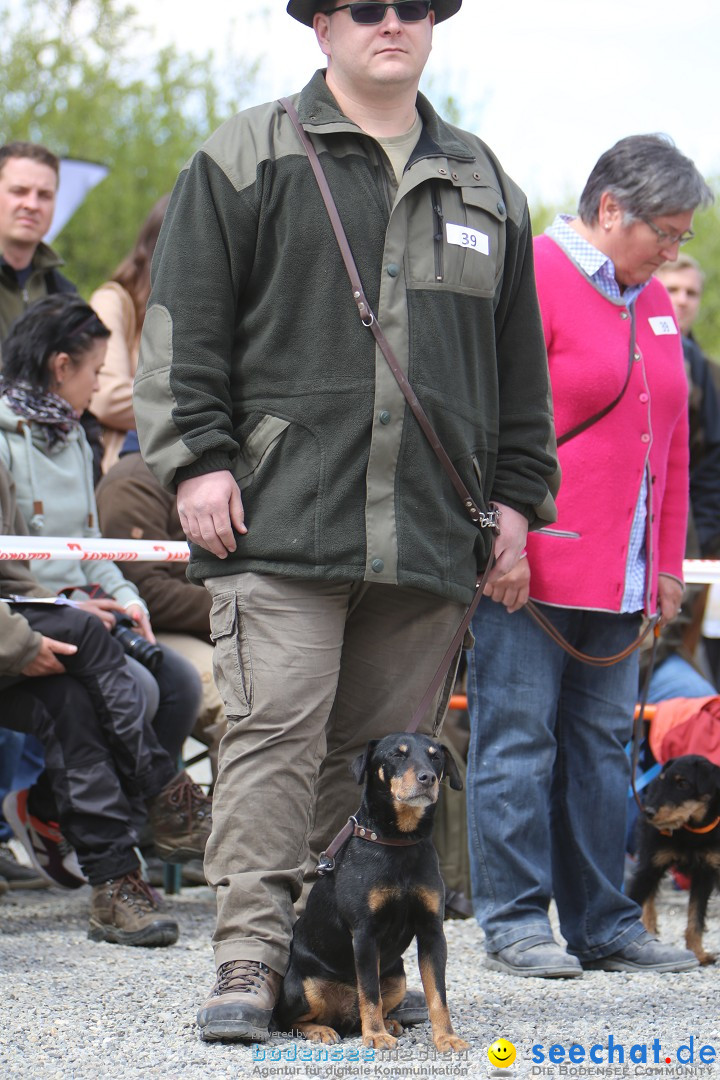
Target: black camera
[{"x": 135, "y": 645}]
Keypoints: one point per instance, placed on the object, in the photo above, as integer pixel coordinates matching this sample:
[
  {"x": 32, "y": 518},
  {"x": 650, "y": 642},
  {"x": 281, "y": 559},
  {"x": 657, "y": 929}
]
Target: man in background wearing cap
[{"x": 339, "y": 558}]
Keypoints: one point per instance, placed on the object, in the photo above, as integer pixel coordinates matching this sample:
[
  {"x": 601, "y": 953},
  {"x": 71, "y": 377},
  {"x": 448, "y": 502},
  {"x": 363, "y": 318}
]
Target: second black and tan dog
[
  {"x": 346, "y": 969},
  {"x": 681, "y": 828}
]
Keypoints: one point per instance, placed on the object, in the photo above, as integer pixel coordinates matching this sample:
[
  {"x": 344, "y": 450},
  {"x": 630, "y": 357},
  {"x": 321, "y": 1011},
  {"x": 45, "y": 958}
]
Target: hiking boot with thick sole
[
  {"x": 180, "y": 818},
  {"x": 126, "y": 911},
  {"x": 241, "y": 1002},
  {"x": 49, "y": 851}
]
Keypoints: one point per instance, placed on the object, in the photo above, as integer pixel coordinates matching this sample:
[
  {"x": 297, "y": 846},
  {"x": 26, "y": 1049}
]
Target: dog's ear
[
  {"x": 361, "y": 762},
  {"x": 708, "y": 777},
  {"x": 451, "y": 770}
]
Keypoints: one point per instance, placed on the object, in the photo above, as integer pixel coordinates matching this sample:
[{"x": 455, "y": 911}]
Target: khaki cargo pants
[{"x": 309, "y": 671}]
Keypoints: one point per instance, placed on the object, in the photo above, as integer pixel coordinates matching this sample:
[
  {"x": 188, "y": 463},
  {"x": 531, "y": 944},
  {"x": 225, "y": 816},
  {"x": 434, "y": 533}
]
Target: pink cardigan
[{"x": 580, "y": 561}]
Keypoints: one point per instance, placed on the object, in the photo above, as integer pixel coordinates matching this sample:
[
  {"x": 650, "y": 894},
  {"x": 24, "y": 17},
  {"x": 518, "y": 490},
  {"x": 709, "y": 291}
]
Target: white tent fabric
[{"x": 77, "y": 178}]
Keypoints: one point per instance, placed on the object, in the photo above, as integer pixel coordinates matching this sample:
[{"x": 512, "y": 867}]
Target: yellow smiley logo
[{"x": 501, "y": 1053}]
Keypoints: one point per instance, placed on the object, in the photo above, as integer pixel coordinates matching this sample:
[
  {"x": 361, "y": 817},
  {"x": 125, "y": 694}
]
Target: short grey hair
[{"x": 648, "y": 176}]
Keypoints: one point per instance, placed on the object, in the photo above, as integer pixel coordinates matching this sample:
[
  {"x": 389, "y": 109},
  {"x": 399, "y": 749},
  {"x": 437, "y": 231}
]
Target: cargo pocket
[{"x": 231, "y": 657}]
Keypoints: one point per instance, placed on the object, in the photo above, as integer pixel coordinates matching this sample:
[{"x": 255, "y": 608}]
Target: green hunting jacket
[
  {"x": 253, "y": 357},
  {"x": 45, "y": 278}
]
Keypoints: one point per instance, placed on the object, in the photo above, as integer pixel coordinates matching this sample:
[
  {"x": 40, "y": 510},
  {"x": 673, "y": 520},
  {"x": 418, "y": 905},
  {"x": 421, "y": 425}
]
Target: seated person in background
[
  {"x": 52, "y": 356},
  {"x": 121, "y": 304},
  {"x": 62, "y": 678},
  {"x": 132, "y": 504}
]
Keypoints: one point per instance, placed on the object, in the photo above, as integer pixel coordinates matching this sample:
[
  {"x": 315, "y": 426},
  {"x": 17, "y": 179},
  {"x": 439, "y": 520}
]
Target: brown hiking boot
[
  {"x": 180, "y": 819},
  {"x": 126, "y": 911},
  {"x": 241, "y": 1002}
]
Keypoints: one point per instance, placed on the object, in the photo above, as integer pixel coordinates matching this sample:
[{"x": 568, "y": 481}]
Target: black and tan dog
[
  {"x": 681, "y": 828},
  {"x": 346, "y": 970}
]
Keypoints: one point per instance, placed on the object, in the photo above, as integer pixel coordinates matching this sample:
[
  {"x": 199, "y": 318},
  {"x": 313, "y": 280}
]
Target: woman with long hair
[{"x": 120, "y": 303}]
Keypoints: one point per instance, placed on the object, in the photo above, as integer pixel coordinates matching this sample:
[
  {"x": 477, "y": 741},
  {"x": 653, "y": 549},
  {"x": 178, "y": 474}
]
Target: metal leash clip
[
  {"x": 490, "y": 519},
  {"x": 325, "y": 865}
]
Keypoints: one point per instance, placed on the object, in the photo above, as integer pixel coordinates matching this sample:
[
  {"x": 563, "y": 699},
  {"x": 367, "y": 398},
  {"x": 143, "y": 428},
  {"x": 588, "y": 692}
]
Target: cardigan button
[
  {"x": 624, "y": 315},
  {"x": 377, "y": 566},
  {"x": 645, "y": 437},
  {"x": 644, "y": 397}
]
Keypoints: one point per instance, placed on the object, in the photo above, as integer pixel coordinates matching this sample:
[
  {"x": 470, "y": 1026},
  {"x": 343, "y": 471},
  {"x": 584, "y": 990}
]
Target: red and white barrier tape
[
  {"x": 85, "y": 549},
  {"x": 696, "y": 571}
]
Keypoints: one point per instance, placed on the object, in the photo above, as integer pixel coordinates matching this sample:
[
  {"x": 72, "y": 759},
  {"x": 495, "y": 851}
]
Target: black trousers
[{"x": 101, "y": 754}]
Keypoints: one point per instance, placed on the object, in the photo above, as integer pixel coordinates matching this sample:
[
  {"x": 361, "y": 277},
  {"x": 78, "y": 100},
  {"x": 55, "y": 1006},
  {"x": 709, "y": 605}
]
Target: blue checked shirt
[{"x": 601, "y": 270}]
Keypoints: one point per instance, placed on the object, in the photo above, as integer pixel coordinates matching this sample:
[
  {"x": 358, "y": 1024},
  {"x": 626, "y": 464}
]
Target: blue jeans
[
  {"x": 548, "y": 778},
  {"x": 676, "y": 678}
]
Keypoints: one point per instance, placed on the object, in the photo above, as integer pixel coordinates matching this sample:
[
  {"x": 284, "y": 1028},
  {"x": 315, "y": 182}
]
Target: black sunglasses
[{"x": 369, "y": 14}]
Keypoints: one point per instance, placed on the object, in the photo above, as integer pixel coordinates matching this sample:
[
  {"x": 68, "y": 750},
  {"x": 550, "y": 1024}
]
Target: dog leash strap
[{"x": 594, "y": 661}]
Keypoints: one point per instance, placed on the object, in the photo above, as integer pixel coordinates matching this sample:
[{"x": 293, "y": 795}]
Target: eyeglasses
[
  {"x": 670, "y": 239},
  {"x": 370, "y": 14}
]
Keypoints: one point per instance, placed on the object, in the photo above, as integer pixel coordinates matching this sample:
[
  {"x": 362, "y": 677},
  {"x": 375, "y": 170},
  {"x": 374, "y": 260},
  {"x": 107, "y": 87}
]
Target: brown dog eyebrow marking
[
  {"x": 403, "y": 747},
  {"x": 381, "y": 773},
  {"x": 433, "y": 751}
]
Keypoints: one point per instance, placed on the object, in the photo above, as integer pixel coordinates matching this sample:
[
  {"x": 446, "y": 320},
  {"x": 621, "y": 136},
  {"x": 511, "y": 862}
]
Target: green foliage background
[{"x": 81, "y": 77}]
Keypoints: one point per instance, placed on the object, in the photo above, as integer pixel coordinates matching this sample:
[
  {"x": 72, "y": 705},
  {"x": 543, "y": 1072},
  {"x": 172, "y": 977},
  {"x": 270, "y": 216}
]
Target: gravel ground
[{"x": 73, "y": 1009}]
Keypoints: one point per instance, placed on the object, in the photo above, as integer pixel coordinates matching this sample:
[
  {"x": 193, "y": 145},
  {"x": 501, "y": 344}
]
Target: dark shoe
[
  {"x": 646, "y": 953},
  {"x": 411, "y": 1010},
  {"x": 535, "y": 956},
  {"x": 48, "y": 849},
  {"x": 17, "y": 876},
  {"x": 125, "y": 911},
  {"x": 457, "y": 905},
  {"x": 180, "y": 818},
  {"x": 241, "y": 1002}
]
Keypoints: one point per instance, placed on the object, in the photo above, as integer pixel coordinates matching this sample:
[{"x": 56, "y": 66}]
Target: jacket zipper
[{"x": 437, "y": 231}]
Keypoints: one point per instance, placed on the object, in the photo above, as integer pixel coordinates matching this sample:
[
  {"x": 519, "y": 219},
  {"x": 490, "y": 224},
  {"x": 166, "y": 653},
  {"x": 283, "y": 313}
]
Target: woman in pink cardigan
[{"x": 548, "y": 775}]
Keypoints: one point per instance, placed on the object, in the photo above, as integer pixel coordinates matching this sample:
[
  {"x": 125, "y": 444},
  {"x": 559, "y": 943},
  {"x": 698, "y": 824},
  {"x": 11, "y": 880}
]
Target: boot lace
[
  {"x": 134, "y": 891},
  {"x": 189, "y": 798},
  {"x": 243, "y": 976}
]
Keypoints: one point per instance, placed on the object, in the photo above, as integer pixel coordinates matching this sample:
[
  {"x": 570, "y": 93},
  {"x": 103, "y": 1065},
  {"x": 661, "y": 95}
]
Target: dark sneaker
[
  {"x": 48, "y": 849},
  {"x": 412, "y": 1009},
  {"x": 535, "y": 957},
  {"x": 16, "y": 875},
  {"x": 241, "y": 1002},
  {"x": 181, "y": 820},
  {"x": 126, "y": 911}
]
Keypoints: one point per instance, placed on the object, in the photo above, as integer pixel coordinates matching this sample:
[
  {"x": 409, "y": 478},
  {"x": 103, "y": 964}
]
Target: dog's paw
[
  {"x": 320, "y": 1033},
  {"x": 379, "y": 1040},
  {"x": 394, "y": 1027},
  {"x": 446, "y": 1042},
  {"x": 705, "y": 958}
]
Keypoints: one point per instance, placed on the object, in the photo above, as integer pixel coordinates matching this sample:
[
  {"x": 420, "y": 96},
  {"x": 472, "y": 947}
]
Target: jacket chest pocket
[{"x": 457, "y": 239}]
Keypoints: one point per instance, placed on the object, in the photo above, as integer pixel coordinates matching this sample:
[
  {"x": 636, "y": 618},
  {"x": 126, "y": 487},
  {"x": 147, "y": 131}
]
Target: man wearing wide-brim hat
[{"x": 339, "y": 557}]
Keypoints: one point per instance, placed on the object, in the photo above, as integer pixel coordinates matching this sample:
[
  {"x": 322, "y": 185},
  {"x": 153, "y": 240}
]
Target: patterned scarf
[{"x": 55, "y": 415}]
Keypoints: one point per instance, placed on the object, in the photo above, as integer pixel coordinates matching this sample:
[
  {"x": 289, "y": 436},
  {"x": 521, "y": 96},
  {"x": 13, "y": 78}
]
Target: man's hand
[
  {"x": 513, "y": 589},
  {"x": 210, "y": 507},
  {"x": 103, "y": 609},
  {"x": 46, "y": 662},
  {"x": 509, "y": 542},
  {"x": 670, "y": 594}
]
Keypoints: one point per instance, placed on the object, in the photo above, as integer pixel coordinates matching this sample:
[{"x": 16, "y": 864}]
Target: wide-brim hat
[{"x": 304, "y": 10}]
